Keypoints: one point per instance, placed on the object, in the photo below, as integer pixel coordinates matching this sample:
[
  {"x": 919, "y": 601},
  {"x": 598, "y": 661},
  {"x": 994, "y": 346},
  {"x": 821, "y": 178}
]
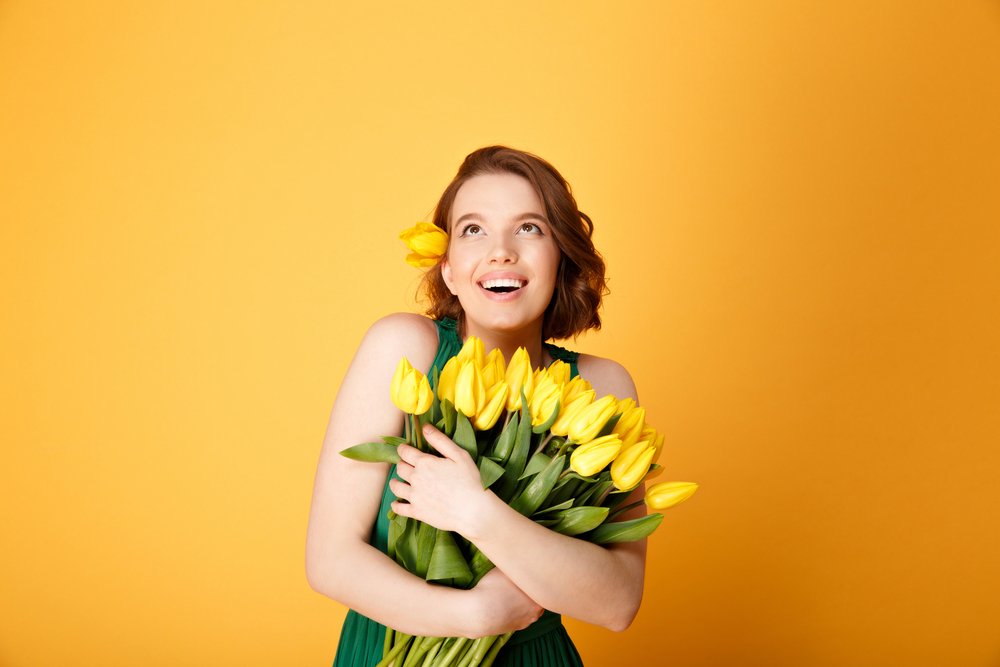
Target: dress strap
[{"x": 565, "y": 355}]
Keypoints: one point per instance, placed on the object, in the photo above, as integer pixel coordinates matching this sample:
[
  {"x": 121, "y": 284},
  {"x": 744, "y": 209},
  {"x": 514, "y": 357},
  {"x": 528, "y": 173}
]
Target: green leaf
[
  {"x": 393, "y": 440},
  {"x": 595, "y": 491},
  {"x": 522, "y": 444},
  {"x": 426, "y": 537},
  {"x": 372, "y": 452},
  {"x": 480, "y": 565},
  {"x": 555, "y": 508},
  {"x": 505, "y": 445},
  {"x": 448, "y": 414},
  {"x": 489, "y": 471},
  {"x": 578, "y": 520},
  {"x": 465, "y": 436},
  {"x": 447, "y": 561},
  {"x": 609, "y": 425},
  {"x": 534, "y": 495},
  {"x": 625, "y": 531},
  {"x": 535, "y": 465}
]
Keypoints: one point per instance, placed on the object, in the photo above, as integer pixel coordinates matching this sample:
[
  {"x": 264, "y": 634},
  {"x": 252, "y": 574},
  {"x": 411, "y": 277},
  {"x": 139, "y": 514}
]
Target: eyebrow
[{"x": 520, "y": 218}]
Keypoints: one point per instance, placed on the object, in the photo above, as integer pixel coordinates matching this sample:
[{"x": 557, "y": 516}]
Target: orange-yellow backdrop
[{"x": 799, "y": 207}]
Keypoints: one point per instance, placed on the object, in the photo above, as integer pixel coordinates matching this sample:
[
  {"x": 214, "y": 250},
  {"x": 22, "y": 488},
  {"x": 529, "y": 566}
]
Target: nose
[{"x": 502, "y": 253}]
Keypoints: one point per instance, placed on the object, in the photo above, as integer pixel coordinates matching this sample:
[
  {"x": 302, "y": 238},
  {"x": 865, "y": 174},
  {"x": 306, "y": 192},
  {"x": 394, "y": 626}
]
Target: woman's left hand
[{"x": 443, "y": 491}]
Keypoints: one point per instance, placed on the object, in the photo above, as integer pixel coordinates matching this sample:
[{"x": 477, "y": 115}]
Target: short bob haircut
[{"x": 580, "y": 282}]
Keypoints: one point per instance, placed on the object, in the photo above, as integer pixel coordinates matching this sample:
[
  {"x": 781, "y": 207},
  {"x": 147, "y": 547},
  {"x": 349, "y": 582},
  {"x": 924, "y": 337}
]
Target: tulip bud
[
  {"x": 591, "y": 458},
  {"x": 496, "y": 400},
  {"x": 574, "y": 388},
  {"x": 626, "y": 404},
  {"x": 470, "y": 394},
  {"x": 570, "y": 410},
  {"x": 589, "y": 421},
  {"x": 667, "y": 494},
  {"x": 409, "y": 390},
  {"x": 518, "y": 377},
  {"x": 629, "y": 427},
  {"x": 559, "y": 371},
  {"x": 446, "y": 381},
  {"x": 495, "y": 368},
  {"x": 473, "y": 349},
  {"x": 544, "y": 399},
  {"x": 427, "y": 244},
  {"x": 632, "y": 465}
]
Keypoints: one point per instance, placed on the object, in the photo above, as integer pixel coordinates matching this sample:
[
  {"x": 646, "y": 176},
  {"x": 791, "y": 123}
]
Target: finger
[
  {"x": 409, "y": 454},
  {"x": 443, "y": 444},
  {"x": 404, "y": 469},
  {"x": 402, "y": 509},
  {"x": 400, "y": 489}
]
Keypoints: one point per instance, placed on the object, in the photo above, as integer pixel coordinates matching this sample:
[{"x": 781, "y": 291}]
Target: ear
[{"x": 447, "y": 277}]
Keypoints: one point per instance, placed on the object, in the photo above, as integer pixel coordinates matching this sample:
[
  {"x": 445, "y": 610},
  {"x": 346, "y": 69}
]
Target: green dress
[{"x": 544, "y": 643}]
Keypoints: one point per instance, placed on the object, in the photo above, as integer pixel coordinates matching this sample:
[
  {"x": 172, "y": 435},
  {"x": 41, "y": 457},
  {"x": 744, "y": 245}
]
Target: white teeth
[{"x": 503, "y": 282}]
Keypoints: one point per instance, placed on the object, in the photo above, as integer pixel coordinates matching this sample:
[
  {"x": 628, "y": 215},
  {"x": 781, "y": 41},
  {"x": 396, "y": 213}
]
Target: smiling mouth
[{"x": 503, "y": 285}]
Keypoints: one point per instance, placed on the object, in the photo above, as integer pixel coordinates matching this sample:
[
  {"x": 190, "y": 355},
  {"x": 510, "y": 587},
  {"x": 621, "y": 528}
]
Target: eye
[
  {"x": 530, "y": 228},
  {"x": 471, "y": 229}
]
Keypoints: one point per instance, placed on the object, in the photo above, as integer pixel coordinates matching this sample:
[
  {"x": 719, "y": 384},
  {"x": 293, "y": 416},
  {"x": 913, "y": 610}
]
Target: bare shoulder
[
  {"x": 402, "y": 334},
  {"x": 607, "y": 376}
]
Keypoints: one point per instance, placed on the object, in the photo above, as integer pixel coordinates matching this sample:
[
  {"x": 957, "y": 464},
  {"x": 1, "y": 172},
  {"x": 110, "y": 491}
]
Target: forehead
[{"x": 498, "y": 196}]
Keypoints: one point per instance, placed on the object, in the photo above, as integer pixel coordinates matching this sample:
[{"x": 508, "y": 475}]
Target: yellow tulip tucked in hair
[
  {"x": 427, "y": 244},
  {"x": 473, "y": 349},
  {"x": 470, "y": 394},
  {"x": 496, "y": 401},
  {"x": 589, "y": 421},
  {"x": 410, "y": 391},
  {"x": 519, "y": 377},
  {"x": 570, "y": 410},
  {"x": 630, "y": 425},
  {"x": 632, "y": 465},
  {"x": 446, "y": 381},
  {"x": 495, "y": 368},
  {"x": 667, "y": 494},
  {"x": 544, "y": 399},
  {"x": 591, "y": 458}
]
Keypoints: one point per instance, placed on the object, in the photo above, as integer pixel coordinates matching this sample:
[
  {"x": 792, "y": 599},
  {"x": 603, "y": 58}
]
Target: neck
[{"x": 530, "y": 338}]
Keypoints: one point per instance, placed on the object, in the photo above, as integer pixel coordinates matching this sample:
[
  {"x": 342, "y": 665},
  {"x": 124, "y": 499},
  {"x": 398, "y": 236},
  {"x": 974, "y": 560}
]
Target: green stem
[
  {"x": 387, "y": 644},
  {"x": 545, "y": 441},
  {"x": 401, "y": 645},
  {"x": 495, "y": 649},
  {"x": 452, "y": 653},
  {"x": 419, "y": 649},
  {"x": 470, "y": 654},
  {"x": 429, "y": 659},
  {"x": 625, "y": 509}
]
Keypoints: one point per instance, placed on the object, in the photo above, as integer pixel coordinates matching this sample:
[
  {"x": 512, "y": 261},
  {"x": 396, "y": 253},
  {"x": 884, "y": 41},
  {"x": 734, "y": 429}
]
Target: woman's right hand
[{"x": 501, "y": 606}]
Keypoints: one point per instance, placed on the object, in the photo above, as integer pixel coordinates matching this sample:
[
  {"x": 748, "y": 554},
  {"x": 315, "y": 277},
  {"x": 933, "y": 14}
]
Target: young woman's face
[{"x": 502, "y": 259}]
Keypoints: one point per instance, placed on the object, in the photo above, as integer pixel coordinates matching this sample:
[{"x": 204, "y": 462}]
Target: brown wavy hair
[{"x": 580, "y": 282}]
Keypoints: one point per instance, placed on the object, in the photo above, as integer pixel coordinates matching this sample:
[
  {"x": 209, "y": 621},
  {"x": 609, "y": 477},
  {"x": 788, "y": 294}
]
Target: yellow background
[{"x": 799, "y": 206}]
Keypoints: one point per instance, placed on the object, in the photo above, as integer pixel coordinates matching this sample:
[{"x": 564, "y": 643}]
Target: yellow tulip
[
  {"x": 427, "y": 244},
  {"x": 630, "y": 425},
  {"x": 473, "y": 349},
  {"x": 589, "y": 421},
  {"x": 496, "y": 401},
  {"x": 495, "y": 367},
  {"x": 446, "y": 380},
  {"x": 574, "y": 388},
  {"x": 518, "y": 377},
  {"x": 591, "y": 458},
  {"x": 470, "y": 394},
  {"x": 667, "y": 494},
  {"x": 559, "y": 371},
  {"x": 570, "y": 410},
  {"x": 544, "y": 399},
  {"x": 410, "y": 391},
  {"x": 632, "y": 465},
  {"x": 626, "y": 404}
]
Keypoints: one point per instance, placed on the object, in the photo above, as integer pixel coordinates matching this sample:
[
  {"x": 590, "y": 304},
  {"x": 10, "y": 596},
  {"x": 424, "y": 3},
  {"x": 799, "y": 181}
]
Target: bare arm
[
  {"x": 600, "y": 585},
  {"x": 340, "y": 562}
]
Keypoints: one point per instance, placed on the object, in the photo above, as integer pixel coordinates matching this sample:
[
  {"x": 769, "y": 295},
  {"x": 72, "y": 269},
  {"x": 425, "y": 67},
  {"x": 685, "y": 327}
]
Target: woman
[{"x": 520, "y": 268}]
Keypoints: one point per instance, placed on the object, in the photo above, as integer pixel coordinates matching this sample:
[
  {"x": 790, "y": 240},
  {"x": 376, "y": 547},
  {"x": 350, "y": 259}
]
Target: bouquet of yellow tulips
[{"x": 560, "y": 455}]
